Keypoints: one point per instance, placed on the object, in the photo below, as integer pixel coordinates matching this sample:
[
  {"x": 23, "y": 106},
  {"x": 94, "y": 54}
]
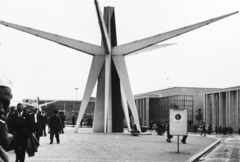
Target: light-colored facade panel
[
  {"x": 227, "y": 112},
  {"x": 144, "y": 108}
]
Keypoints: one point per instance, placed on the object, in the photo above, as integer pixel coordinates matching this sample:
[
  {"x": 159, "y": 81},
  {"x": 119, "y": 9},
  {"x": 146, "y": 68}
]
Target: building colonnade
[
  {"x": 222, "y": 108},
  {"x": 142, "y": 105}
]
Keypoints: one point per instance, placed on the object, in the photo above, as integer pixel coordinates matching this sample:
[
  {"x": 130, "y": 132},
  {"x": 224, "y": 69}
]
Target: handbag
[
  {"x": 32, "y": 145},
  {"x": 35, "y": 143}
]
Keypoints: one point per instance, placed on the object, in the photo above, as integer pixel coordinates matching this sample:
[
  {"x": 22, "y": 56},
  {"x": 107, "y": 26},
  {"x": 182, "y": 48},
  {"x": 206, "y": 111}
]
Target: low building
[
  {"x": 69, "y": 107},
  {"x": 222, "y": 108},
  {"x": 154, "y": 106}
]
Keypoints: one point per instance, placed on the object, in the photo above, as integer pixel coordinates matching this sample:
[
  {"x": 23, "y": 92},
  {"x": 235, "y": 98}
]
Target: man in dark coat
[
  {"x": 195, "y": 127},
  {"x": 73, "y": 121},
  {"x": 21, "y": 127},
  {"x": 89, "y": 122},
  {"x": 62, "y": 117},
  {"x": 224, "y": 130},
  {"x": 55, "y": 126},
  {"x": 216, "y": 129},
  {"x": 220, "y": 129},
  {"x": 36, "y": 121},
  {"x": 204, "y": 131},
  {"x": 168, "y": 134}
]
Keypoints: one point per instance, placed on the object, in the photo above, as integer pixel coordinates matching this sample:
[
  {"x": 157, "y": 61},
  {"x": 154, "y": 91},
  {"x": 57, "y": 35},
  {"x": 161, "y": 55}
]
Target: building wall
[
  {"x": 222, "y": 108},
  {"x": 197, "y": 94}
]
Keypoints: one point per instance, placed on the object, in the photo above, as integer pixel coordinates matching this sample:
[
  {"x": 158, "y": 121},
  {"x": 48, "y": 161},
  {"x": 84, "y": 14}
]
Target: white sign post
[{"x": 178, "y": 123}]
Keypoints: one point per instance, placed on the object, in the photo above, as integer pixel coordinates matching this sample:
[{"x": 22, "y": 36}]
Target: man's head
[
  {"x": 12, "y": 109},
  {"x": 5, "y": 95},
  {"x": 55, "y": 111},
  {"x": 34, "y": 110},
  {"x": 19, "y": 107}
]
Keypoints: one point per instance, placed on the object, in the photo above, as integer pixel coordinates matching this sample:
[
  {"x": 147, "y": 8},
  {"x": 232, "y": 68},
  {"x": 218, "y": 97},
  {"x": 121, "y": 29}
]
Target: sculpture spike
[{"x": 144, "y": 43}]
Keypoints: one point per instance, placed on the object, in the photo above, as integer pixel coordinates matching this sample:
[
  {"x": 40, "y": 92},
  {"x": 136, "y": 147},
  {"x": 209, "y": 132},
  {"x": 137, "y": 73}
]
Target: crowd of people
[
  {"x": 224, "y": 130},
  {"x": 18, "y": 126},
  {"x": 207, "y": 129}
]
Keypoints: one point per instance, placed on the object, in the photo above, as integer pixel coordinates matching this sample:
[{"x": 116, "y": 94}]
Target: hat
[{"x": 4, "y": 81}]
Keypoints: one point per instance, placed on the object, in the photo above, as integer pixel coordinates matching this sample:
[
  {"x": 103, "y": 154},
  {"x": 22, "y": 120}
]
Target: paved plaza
[
  {"x": 228, "y": 150},
  {"x": 87, "y": 146}
]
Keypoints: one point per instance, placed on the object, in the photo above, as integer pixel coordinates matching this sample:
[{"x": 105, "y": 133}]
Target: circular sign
[{"x": 178, "y": 116}]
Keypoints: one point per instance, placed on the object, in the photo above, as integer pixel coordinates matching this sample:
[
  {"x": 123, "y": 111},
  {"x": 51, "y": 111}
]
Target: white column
[
  {"x": 213, "y": 110},
  {"x": 236, "y": 111},
  {"x": 147, "y": 111},
  {"x": 238, "y": 107},
  {"x": 137, "y": 105},
  {"x": 143, "y": 115},
  {"x": 208, "y": 110},
  {"x": 227, "y": 113},
  {"x": 220, "y": 109},
  {"x": 204, "y": 107},
  {"x": 228, "y": 108}
]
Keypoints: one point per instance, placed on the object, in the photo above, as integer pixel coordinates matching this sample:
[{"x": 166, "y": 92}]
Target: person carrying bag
[{"x": 32, "y": 145}]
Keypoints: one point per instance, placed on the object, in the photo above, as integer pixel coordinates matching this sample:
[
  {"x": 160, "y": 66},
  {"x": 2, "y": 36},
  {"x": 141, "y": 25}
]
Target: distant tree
[{"x": 199, "y": 115}]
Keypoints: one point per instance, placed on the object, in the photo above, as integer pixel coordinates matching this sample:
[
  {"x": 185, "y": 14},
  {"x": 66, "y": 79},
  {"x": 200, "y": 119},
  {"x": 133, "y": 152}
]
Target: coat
[
  {"x": 55, "y": 123},
  {"x": 168, "y": 132},
  {"x": 36, "y": 127},
  {"x": 39, "y": 120},
  {"x": 21, "y": 125}
]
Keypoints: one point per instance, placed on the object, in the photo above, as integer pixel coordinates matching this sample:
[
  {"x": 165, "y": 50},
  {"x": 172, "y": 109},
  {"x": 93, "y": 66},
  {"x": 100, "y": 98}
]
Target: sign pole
[{"x": 178, "y": 144}]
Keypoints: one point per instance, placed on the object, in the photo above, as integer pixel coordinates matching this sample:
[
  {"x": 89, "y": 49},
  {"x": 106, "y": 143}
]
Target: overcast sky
[{"x": 206, "y": 57}]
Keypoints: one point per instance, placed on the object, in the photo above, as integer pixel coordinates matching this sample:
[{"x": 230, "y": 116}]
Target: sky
[{"x": 207, "y": 57}]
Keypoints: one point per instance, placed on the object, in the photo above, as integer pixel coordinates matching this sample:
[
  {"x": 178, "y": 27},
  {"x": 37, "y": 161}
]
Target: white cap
[{"x": 4, "y": 81}]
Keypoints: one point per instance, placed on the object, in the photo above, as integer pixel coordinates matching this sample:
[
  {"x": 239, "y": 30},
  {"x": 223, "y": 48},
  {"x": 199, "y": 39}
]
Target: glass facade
[{"x": 159, "y": 107}]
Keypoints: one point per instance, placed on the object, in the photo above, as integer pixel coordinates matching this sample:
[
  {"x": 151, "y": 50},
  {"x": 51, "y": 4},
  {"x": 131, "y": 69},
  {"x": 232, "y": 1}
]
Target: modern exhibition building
[
  {"x": 154, "y": 106},
  {"x": 222, "y": 107}
]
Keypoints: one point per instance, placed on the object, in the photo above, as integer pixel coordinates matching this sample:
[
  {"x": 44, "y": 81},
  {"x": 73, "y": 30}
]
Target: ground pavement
[
  {"x": 227, "y": 151},
  {"x": 86, "y": 146}
]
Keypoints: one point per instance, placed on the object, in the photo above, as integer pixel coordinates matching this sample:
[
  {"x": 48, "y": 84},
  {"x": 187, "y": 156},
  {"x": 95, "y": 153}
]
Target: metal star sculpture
[{"x": 114, "y": 94}]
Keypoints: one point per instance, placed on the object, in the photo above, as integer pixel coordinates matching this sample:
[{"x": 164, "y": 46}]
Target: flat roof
[
  {"x": 224, "y": 89},
  {"x": 156, "y": 93}
]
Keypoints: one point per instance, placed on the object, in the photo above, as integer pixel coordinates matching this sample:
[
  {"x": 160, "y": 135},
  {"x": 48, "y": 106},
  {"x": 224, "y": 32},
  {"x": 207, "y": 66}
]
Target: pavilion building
[
  {"x": 222, "y": 107},
  {"x": 154, "y": 106}
]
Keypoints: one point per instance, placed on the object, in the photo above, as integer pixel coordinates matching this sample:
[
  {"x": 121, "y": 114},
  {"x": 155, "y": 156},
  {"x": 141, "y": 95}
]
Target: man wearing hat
[{"x": 5, "y": 97}]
